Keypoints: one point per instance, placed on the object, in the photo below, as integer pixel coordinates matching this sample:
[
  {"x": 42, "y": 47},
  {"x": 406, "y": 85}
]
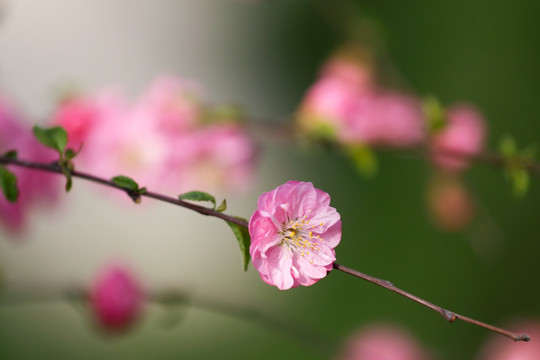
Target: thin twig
[
  {"x": 54, "y": 168},
  {"x": 446, "y": 314}
]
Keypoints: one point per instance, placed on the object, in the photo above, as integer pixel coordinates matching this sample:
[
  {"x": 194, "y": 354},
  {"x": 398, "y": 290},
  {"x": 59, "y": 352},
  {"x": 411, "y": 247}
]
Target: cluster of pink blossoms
[
  {"x": 293, "y": 235},
  {"x": 347, "y": 104},
  {"x": 167, "y": 140},
  {"x": 34, "y": 187}
]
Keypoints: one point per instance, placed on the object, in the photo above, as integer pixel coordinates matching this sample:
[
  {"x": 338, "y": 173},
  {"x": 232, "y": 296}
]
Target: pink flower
[
  {"x": 355, "y": 70},
  {"x": 450, "y": 204},
  {"x": 81, "y": 115},
  {"x": 129, "y": 143},
  {"x": 293, "y": 235},
  {"x": 327, "y": 103},
  {"x": 35, "y": 188},
  {"x": 382, "y": 342},
  {"x": 173, "y": 103},
  {"x": 116, "y": 298},
  {"x": 463, "y": 137},
  {"x": 387, "y": 119},
  {"x": 214, "y": 157},
  {"x": 501, "y": 348}
]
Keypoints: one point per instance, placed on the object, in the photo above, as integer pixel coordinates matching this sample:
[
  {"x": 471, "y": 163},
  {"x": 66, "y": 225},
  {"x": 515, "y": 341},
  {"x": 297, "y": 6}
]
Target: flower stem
[{"x": 446, "y": 314}]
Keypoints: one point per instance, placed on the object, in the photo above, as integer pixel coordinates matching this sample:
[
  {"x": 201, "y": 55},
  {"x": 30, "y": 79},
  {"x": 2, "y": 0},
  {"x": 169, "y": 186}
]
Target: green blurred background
[{"x": 264, "y": 55}]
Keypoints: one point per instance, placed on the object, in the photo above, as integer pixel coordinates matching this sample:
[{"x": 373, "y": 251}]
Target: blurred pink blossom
[
  {"x": 116, "y": 298},
  {"x": 215, "y": 157},
  {"x": 382, "y": 342},
  {"x": 385, "y": 119},
  {"x": 451, "y": 206},
  {"x": 327, "y": 102},
  {"x": 35, "y": 187},
  {"x": 346, "y": 103},
  {"x": 174, "y": 103},
  {"x": 129, "y": 144},
  {"x": 80, "y": 115},
  {"x": 358, "y": 74},
  {"x": 161, "y": 140},
  {"x": 462, "y": 137},
  {"x": 293, "y": 235},
  {"x": 501, "y": 348}
]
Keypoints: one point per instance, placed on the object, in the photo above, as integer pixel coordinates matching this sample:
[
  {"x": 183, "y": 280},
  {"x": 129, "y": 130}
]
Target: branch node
[
  {"x": 523, "y": 337},
  {"x": 448, "y": 316}
]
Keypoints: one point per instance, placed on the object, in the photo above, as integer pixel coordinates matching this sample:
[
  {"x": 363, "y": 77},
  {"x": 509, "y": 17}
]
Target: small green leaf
[
  {"x": 11, "y": 154},
  {"x": 54, "y": 137},
  {"x": 244, "y": 240},
  {"x": 223, "y": 206},
  {"x": 321, "y": 129},
  {"x": 364, "y": 159},
  {"x": 8, "y": 182},
  {"x": 70, "y": 153},
  {"x": 198, "y": 196},
  {"x": 435, "y": 114},
  {"x": 508, "y": 147},
  {"x": 142, "y": 191},
  {"x": 520, "y": 181},
  {"x": 69, "y": 181},
  {"x": 125, "y": 183}
]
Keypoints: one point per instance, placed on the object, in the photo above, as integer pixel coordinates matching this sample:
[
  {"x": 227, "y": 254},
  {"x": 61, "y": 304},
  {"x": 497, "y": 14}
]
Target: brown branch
[
  {"x": 446, "y": 314},
  {"x": 54, "y": 168}
]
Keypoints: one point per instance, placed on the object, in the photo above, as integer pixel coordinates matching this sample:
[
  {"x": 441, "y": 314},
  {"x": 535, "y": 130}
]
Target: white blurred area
[{"x": 47, "y": 45}]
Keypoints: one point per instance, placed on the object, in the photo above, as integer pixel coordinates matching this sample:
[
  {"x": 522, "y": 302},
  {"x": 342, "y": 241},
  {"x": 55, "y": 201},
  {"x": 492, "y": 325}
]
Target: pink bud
[
  {"x": 462, "y": 138},
  {"x": 382, "y": 342},
  {"x": 116, "y": 298},
  {"x": 450, "y": 204}
]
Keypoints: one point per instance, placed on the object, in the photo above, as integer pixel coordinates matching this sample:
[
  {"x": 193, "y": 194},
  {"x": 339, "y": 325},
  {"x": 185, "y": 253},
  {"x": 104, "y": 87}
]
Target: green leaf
[
  {"x": 520, "y": 181},
  {"x": 198, "y": 196},
  {"x": 244, "y": 240},
  {"x": 508, "y": 147},
  {"x": 223, "y": 206},
  {"x": 364, "y": 159},
  {"x": 435, "y": 114},
  {"x": 11, "y": 154},
  {"x": 54, "y": 137},
  {"x": 69, "y": 181},
  {"x": 126, "y": 183},
  {"x": 8, "y": 182},
  {"x": 70, "y": 153}
]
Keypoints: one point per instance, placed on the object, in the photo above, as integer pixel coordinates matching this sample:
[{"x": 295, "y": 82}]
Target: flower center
[{"x": 297, "y": 236}]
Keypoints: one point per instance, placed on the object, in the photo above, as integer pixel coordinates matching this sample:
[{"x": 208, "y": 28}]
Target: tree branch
[{"x": 446, "y": 314}]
